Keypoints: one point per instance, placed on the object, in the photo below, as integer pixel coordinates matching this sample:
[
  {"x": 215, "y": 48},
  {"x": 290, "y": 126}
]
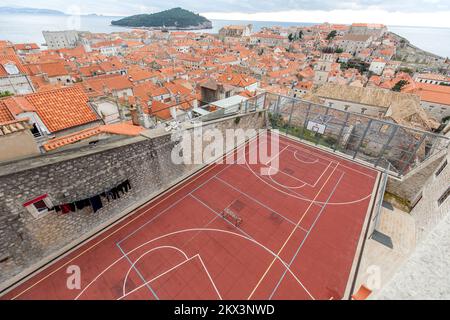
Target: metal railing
[
  {"x": 379, "y": 143},
  {"x": 378, "y": 207}
]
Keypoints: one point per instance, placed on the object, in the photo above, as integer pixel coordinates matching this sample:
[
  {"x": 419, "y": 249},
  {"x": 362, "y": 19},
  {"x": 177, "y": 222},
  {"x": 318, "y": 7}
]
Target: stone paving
[
  {"x": 380, "y": 262},
  {"x": 425, "y": 275}
]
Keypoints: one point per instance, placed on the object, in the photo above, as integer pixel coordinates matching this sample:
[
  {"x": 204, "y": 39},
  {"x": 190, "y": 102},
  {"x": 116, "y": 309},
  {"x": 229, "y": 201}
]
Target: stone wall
[
  {"x": 427, "y": 212},
  {"x": 27, "y": 242}
]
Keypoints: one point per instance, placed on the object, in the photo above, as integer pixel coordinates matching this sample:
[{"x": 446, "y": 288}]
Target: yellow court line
[
  {"x": 166, "y": 195},
  {"x": 292, "y": 233}
]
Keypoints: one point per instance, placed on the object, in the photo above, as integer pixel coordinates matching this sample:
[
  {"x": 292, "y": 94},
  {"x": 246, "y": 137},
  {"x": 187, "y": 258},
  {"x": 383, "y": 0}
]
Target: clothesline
[{"x": 94, "y": 201}]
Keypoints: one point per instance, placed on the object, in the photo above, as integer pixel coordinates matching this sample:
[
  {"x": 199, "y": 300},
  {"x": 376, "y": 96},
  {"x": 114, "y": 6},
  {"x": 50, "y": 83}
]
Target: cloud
[
  {"x": 425, "y": 19},
  {"x": 410, "y": 12},
  {"x": 249, "y": 6}
]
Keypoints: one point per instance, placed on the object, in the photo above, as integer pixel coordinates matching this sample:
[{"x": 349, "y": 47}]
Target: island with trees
[{"x": 172, "y": 19}]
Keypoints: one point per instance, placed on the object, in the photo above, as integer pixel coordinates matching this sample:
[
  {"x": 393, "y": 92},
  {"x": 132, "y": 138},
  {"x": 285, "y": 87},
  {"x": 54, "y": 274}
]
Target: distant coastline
[
  {"x": 21, "y": 28},
  {"x": 191, "y": 28}
]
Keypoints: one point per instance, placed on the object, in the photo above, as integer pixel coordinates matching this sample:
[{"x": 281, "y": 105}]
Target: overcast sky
[{"x": 392, "y": 12}]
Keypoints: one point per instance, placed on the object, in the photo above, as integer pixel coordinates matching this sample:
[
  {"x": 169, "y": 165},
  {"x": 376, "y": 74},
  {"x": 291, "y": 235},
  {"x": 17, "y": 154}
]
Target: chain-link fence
[{"x": 377, "y": 142}]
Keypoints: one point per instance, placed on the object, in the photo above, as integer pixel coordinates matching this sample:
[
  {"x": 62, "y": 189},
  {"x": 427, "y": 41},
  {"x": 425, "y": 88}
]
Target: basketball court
[{"x": 229, "y": 232}]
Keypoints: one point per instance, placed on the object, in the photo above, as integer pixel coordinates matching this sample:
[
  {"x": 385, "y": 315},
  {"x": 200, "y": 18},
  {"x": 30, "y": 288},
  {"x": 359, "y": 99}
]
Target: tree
[
  {"x": 5, "y": 94},
  {"x": 399, "y": 85},
  {"x": 290, "y": 37},
  {"x": 331, "y": 35}
]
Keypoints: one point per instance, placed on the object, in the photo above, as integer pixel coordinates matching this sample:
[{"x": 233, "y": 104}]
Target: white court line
[
  {"x": 159, "y": 199},
  {"x": 291, "y": 234},
  {"x": 209, "y": 276},
  {"x": 307, "y": 236},
  {"x": 178, "y": 201},
  {"x": 297, "y": 196},
  {"x": 303, "y": 161},
  {"x": 218, "y": 214},
  {"x": 340, "y": 160},
  {"x": 258, "y": 202},
  {"x": 298, "y": 146},
  {"x": 157, "y": 277},
  {"x": 283, "y": 185},
  {"x": 295, "y": 178},
  {"x": 307, "y": 183},
  {"x": 137, "y": 271},
  {"x": 145, "y": 253},
  {"x": 193, "y": 230},
  {"x": 277, "y": 155}
]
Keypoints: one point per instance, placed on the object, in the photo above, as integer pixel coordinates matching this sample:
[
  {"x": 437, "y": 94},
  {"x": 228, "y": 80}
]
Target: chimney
[
  {"x": 142, "y": 117},
  {"x": 134, "y": 116},
  {"x": 105, "y": 90}
]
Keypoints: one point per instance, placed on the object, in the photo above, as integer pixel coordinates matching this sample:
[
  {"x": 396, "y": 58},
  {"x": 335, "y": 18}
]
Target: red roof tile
[{"x": 62, "y": 108}]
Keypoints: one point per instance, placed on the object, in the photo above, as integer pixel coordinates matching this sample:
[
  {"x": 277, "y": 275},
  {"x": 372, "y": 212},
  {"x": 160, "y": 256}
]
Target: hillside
[
  {"x": 176, "y": 18},
  {"x": 11, "y": 10}
]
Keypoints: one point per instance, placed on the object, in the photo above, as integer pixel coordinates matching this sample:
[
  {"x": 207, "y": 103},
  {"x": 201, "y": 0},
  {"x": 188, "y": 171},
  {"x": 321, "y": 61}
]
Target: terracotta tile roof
[
  {"x": 52, "y": 69},
  {"x": 62, "y": 108},
  {"x": 4, "y": 59},
  {"x": 123, "y": 128},
  {"x": 430, "y": 92},
  {"x": 5, "y": 114},
  {"x": 109, "y": 82},
  {"x": 237, "y": 80},
  {"x": 26, "y": 46},
  {"x": 71, "y": 138},
  {"x": 18, "y": 105}
]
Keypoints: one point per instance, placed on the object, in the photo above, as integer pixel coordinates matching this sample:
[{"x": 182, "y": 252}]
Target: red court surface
[{"x": 298, "y": 237}]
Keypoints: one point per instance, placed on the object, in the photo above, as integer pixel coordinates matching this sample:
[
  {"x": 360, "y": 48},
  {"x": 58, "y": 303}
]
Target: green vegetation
[
  {"x": 357, "y": 64},
  {"x": 5, "y": 94},
  {"x": 295, "y": 36},
  {"x": 332, "y": 35},
  {"x": 277, "y": 122},
  {"x": 407, "y": 70},
  {"x": 399, "y": 85},
  {"x": 173, "y": 18},
  {"x": 237, "y": 120},
  {"x": 397, "y": 201}
]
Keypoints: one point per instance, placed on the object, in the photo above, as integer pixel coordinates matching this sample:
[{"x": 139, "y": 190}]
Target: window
[
  {"x": 441, "y": 168},
  {"x": 11, "y": 68},
  {"x": 39, "y": 206},
  {"x": 35, "y": 131},
  {"x": 444, "y": 196}
]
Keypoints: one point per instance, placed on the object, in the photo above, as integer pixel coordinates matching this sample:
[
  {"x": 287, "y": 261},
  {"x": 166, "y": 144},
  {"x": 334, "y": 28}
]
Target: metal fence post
[
  {"x": 277, "y": 106},
  {"x": 411, "y": 157},
  {"x": 383, "y": 149},
  {"x": 290, "y": 116},
  {"x": 362, "y": 138},
  {"x": 306, "y": 119},
  {"x": 342, "y": 130}
]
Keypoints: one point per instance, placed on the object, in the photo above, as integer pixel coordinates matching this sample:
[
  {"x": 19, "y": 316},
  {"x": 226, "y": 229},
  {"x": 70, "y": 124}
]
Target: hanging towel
[
  {"x": 96, "y": 203},
  {"x": 65, "y": 208}
]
